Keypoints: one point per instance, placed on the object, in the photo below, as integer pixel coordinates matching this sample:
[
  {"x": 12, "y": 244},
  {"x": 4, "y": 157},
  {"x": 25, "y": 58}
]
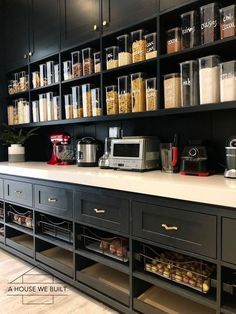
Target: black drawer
[
  {"x": 228, "y": 240},
  {"x": 182, "y": 229},
  {"x": 57, "y": 201},
  {"x": 18, "y": 192},
  {"x": 103, "y": 210},
  {"x": 1, "y": 188}
]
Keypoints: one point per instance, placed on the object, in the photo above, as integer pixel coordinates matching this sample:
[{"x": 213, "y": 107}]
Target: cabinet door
[
  {"x": 44, "y": 28},
  {"x": 171, "y": 4},
  {"x": 16, "y": 33},
  {"x": 122, "y": 13},
  {"x": 78, "y": 18}
]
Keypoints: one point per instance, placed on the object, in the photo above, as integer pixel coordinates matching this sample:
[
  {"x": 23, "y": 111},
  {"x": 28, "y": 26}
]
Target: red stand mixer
[{"x": 62, "y": 153}]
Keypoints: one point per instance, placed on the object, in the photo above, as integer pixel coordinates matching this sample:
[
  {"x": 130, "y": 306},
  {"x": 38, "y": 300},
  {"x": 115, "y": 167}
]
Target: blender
[
  {"x": 230, "y": 156},
  {"x": 62, "y": 152}
]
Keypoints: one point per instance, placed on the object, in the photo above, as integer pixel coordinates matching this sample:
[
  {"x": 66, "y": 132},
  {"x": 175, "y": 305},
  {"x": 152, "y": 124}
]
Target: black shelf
[
  {"x": 81, "y": 78},
  {"x": 227, "y": 309},
  {"x": 208, "y": 299},
  {"x": 44, "y": 88},
  {"x": 57, "y": 242},
  {"x": 19, "y": 228},
  {"x": 18, "y": 95}
]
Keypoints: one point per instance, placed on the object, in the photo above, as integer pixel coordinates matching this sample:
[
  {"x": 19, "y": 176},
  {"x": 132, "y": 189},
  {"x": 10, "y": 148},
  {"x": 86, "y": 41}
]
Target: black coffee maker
[{"x": 194, "y": 159}]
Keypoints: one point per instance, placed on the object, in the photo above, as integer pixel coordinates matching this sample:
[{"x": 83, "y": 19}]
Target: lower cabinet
[
  {"x": 228, "y": 242},
  {"x": 20, "y": 241}
]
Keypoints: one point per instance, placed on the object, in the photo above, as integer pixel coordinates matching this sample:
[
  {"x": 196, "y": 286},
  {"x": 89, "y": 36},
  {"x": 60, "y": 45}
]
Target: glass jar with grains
[
  {"x": 112, "y": 100},
  {"x": 77, "y": 102},
  {"x": 87, "y": 99},
  {"x": 96, "y": 103},
  {"x": 76, "y": 64},
  {"x": 151, "y": 94},
  {"x": 68, "y": 106},
  {"x": 172, "y": 98},
  {"x": 111, "y": 57},
  {"x": 87, "y": 57},
  {"x": 151, "y": 45},
  {"x": 138, "y": 92},
  {"x": 124, "y": 94},
  {"x": 124, "y": 50},
  {"x": 138, "y": 45}
]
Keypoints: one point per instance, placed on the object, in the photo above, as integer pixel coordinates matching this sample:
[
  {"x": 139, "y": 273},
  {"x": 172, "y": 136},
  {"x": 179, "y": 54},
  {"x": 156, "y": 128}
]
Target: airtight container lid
[{"x": 171, "y": 75}]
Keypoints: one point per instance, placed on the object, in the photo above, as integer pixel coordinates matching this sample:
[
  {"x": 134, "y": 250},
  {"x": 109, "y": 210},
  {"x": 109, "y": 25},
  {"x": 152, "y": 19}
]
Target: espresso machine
[
  {"x": 62, "y": 152},
  {"x": 230, "y": 156}
]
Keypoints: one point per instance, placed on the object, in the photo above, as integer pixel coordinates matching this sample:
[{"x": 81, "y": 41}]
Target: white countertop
[{"x": 211, "y": 190}]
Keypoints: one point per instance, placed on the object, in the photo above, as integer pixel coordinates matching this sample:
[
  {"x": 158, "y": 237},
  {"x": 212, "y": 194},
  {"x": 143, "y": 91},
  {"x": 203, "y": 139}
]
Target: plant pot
[{"x": 16, "y": 153}]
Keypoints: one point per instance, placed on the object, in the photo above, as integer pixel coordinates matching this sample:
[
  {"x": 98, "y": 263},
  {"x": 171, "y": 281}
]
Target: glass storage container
[
  {"x": 67, "y": 70},
  {"x": 124, "y": 94},
  {"x": 68, "y": 107},
  {"x": 210, "y": 23},
  {"x": 50, "y": 72},
  {"x": 43, "y": 74},
  {"x": 15, "y": 105},
  {"x": 77, "y": 102},
  {"x": 21, "y": 112},
  {"x": 15, "y": 86},
  {"x": 151, "y": 45},
  {"x": 35, "y": 79},
  {"x": 151, "y": 94},
  {"x": 76, "y": 64},
  {"x": 42, "y": 107},
  {"x": 56, "y": 73},
  {"x": 87, "y": 99},
  {"x": 228, "y": 81},
  {"x": 56, "y": 108},
  {"x": 189, "y": 83},
  {"x": 138, "y": 92},
  {"x": 138, "y": 45},
  {"x": 10, "y": 87},
  {"x": 10, "y": 114},
  {"x": 26, "y": 112},
  {"x": 173, "y": 40},
  {"x": 228, "y": 21},
  {"x": 124, "y": 50},
  {"x": 209, "y": 79},
  {"x": 35, "y": 110},
  {"x": 189, "y": 29},
  {"x": 97, "y": 61},
  {"x": 172, "y": 98},
  {"x": 49, "y": 97},
  {"x": 88, "y": 65},
  {"x": 111, "y": 57},
  {"x": 112, "y": 100},
  {"x": 96, "y": 103},
  {"x": 23, "y": 81}
]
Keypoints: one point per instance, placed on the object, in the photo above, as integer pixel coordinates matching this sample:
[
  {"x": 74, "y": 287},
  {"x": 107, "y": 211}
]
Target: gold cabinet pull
[
  {"x": 95, "y": 27},
  {"x": 52, "y": 200},
  {"x": 18, "y": 192},
  {"x": 169, "y": 227},
  {"x": 105, "y": 23},
  {"x": 99, "y": 211}
]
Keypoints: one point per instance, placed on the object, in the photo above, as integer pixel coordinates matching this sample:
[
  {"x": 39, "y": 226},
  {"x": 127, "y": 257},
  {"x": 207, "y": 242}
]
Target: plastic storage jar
[
  {"x": 50, "y": 72},
  {"x": 151, "y": 94},
  {"x": 151, "y": 45},
  {"x": 76, "y": 64},
  {"x": 210, "y": 23},
  {"x": 56, "y": 108},
  {"x": 97, "y": 61},
  {"x": 138, "y": 45},
  {"x": 228, "y": 81},
  {"x": 189, "y": 29},
  {"x": 26, "y": 112},
  {"x": 124, "y": 94},
  {"x": 49, "y": 97},
  {"x": 138, "y": 92},
  {"x": 111, "y": 57},
  {"x": 56, "y": 73},
  {"x": 87, "y": 100},
  {"x": 23, "y": 81},
  {"x": 228, "y": 21},
  {"x": 10, "y": 114},
  {"x": 189, "y": 83},
  {"x": 77, "y": 102},
  {"x": 124, "y": 50},
  {"x": 35, "y": 110},
  {"x": 20, "y": 106},
  {"x": 67, "y": 70},
  {"x": 68, "y": 106},
  {"x": 42, "y": 107},
  {"x": 172, "y": 98},
  {"x": 173, "y": 40},
  {"x": 15, "y": 105},
  {"x": 112, "y": 100},
  {"x": 10, "y": 87},
  {"x": 96, "y": 103},
  {"x": 43, "y": 75},
  {"x": 209, "y": 79},
  {"x": 35, "y": 79},
  {"x": 87, "y": 57}
]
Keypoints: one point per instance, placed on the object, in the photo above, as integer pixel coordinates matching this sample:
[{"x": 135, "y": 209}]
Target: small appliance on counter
[
  {"x": 230, "y": 156},
  {"x": 170, "y": 156},
  {"x": 62, "y": 152},
  {"x": 136, "y": 153},
  {"x": 194, "y": 160},
  {"x": 88, "y": 152}
]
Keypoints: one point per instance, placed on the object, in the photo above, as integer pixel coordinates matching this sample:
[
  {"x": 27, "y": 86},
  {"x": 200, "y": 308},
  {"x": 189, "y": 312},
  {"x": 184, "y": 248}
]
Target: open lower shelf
[
  {"x": 23, "y": 243},
  {"x": 156, "y": 298}
]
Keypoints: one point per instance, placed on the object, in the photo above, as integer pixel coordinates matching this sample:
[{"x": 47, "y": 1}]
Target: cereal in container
[
  {"x": 96, "y": 102},
  {"x": 97, "y": 61},
  {"x": 112, "y": 100},
  {"x": 87, "y": 100},
  {"x": 67, "y": 70},
  {"x": 15, "y": 112},
  {"x": 56, "y": 108},
  {"x": 76, "y": 64},
  {"x": 23, "y": 81},
  {"x": 151, "y": 94},
  {"x": 112, "y": 57},
  {"x": 68, "y": 106},
  {"x": 88, "y": 64},
  {"x": 151, "y": 45},
  {"x": 124, "y": 50},
  {"x": 138, "y": 92},
  {"x": 138, "y": 45},
  {"x": 77, "y": 102},
  {"x": 172, "y": 94},
  {"x": 124, "y": 94}
]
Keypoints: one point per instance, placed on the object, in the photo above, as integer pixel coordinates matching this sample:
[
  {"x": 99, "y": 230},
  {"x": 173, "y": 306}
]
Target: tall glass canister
[
  {"x": 42, "y": 107},
  {"x": 189, "y": 29},
  {"x": 228, "y": 81},
  {"x": 124, "y": 50},
  {"x": 77, "y": 102},
  {"x": 189, "y": 83},
  {"x": 210, "y": 22},
  {"x": 50, "y": 115}
]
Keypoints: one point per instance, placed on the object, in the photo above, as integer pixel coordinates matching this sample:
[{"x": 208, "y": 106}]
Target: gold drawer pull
[
  {"x": 99, "y": 211},
  {"x": 52, "y": 200},
  {"x": 18, "y": 192},
  {"x": 169, "y": 228}
]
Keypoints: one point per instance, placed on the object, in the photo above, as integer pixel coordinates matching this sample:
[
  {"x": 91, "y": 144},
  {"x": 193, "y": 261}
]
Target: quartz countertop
[{"x": 214, "y": 189}]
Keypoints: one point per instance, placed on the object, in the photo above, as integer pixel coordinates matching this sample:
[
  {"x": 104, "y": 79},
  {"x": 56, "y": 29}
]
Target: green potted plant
[{"x": 15, "y": 139}]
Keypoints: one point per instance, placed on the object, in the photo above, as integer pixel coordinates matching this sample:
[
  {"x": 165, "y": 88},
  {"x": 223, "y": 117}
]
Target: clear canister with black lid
[
  {"x": 172, "y": 94},
  {"x": 173, "y": 40},
  {"x": 68, "y": 106},
  {"x": 76, "y": 64},
  {"x": 189, "y": 29},
  {"x": 151, "y": 94},
  {"x": 56, "y": 108},
  {"x": 97, "y": 61},
  {"x": 67, "y": 70},
  {"x": 138, "y": 92},
  {"x": 151, "y": 45},
  {"x": 189, "y": 83},
  {"x": 228, "y": 81},
  {"x": 35, "y": 110},
  {"x": 96, "y": 102},
  {"x": 43, "y": 107},
  {"x": 88, "y": 62},
  {"x": 210, "y": 22},
  {"x": 43, "y": 75},
  {"x": 124, "y": 50},
  {"x": 50, "y": 72},
  {"x": 138, "y": 45},
  {"x": 77, "y": 102},
  {"x": 50, "y": 113},
  {"x": 87, "y": 99},
  {"x": 111, "y": 57},
  {"x": 228, "y": 21},
  {"x": 124, "y": 94},
  {"x": 112, "y": 100}
]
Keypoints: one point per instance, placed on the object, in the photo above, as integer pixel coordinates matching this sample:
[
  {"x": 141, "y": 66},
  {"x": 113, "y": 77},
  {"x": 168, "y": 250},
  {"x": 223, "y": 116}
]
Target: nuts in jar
[{"x": 35, "y": 79}]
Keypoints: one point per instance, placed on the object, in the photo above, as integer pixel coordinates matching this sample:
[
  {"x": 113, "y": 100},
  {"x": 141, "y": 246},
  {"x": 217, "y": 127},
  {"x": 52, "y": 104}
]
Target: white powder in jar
[
  {"x": 209, "y": 81},
  {"x": 228, "y": 88}
]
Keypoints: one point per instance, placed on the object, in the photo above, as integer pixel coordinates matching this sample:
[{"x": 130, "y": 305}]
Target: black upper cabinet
[
  {"x": 16, "y": 33},
  {"x": 44, "y": 28},
  {"x": 171, "y": 4},
  {"x": 80, "y": 21},
  {"x": 117, "y": 14}
]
